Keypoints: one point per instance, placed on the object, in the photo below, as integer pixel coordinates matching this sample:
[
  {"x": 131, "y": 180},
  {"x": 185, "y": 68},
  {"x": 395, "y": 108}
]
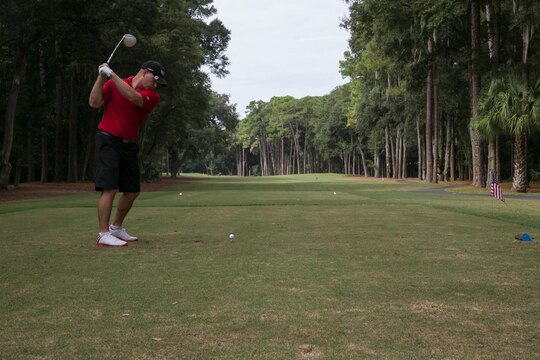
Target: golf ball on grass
[{"x": 231, "y": 236}]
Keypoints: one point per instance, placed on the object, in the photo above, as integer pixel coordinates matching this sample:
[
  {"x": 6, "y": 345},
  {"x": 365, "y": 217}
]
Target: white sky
[{"x": 281, "y": 47}]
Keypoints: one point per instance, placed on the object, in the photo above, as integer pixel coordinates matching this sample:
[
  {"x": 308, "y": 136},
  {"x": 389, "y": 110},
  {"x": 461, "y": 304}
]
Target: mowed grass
[{"x": 377, "y": 270}]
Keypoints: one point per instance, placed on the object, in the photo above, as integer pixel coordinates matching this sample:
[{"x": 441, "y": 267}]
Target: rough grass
[{"x": 375, "y": 271}]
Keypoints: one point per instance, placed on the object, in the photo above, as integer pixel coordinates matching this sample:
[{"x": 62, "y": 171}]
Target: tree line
[
  {"x": 439, "y": 89},
  {"x": 49, "y": 55}
]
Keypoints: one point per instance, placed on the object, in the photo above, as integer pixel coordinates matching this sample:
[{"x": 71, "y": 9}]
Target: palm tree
[
  {"x": 511, "y": 107},
  {"x": 488, "y": 123}
]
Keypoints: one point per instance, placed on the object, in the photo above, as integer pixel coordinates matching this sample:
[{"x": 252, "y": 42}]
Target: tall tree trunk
[
  {"x": 521, "y": 166},
  {"x": 447, "y": 147},
  {"x": 404, "y": 152},
  {"x": 429, "y": 112},
  {"x": 306, "y": 136},
  {"x": 243, "y": 163},
  {"x": 31, "y": 174},
  {"x": 9, "y": 117},
  {"x": 491, "y": 161},
  {"x": 44, "y": 120},
  {"x": 17, "y": 177},
  {"x": 376, "y": 163},
  {"x": 296, "y": 136},
  {"x": 174, "y": 160},
  {"x": 264, "y": 159},
  {"x": 497, "y": 158},
  {"x": 397, "y": 174},
  {"x": 238, "y": 161},
  {"x": 268, "y": 161},
  {"x": 452, "y": 154},
  {"x": 272, "y": 158},
  {"x": 526, "y": 36},
  {"x": 492, "y": 19},
  {"x": 493, "y": 46},
  {"x": 476, "y": 143},
  {"x": 58, "y": 116},
  {"x": 290, "y": 161},
  {"x": 393, "y": 148},
  {"x": 460, "y": 167},
  {"x": 364, "y": 166},
  {"x": 44, "y": 155},
  {"x": 387, "y": 151},
  {"x": 419, "y": 142},
  {"x": 436, "y": 119},
  {"x": 262, "y": 154},
  {"x": 73, "y": 114},
  {"x": 353, "y": 155},
  {"x": 312, "y": 160},
  {"x": 283, "y": 157},
  {"x": 520, "y": 180}
]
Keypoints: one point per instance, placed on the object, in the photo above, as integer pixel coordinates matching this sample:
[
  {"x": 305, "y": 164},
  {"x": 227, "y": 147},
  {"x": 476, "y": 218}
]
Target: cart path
[{"x": 442, "y": 191}]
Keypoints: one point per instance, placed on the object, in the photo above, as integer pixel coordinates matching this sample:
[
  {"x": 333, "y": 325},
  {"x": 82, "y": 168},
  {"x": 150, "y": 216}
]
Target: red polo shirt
[{"x": 121, "y": 117}]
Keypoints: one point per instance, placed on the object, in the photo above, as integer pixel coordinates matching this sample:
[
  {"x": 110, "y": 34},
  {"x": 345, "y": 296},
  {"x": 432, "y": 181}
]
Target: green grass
[{"x": 375, "y": 271}]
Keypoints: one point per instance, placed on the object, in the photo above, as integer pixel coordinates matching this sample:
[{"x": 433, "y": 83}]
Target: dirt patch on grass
[
  {"x": 34, "y": 190},
  {"x": 309, "y": 351},
  {"x": 361, "y": 348},
  {"x": 427, "y": 306}
]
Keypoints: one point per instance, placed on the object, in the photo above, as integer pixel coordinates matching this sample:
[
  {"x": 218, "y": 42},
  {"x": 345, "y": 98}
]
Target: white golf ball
[
  {"x": 180, "y": 194},
  {"x": 231, "y": 236},
  {"x": 334, "y": 193}
]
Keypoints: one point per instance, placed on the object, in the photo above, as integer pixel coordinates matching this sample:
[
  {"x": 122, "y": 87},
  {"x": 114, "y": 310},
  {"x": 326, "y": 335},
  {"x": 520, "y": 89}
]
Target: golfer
[{"x": 127, "y": 104}]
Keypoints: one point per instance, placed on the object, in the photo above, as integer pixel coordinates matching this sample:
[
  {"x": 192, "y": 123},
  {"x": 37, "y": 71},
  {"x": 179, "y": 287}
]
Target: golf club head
[{"x": 129, "y": 40}]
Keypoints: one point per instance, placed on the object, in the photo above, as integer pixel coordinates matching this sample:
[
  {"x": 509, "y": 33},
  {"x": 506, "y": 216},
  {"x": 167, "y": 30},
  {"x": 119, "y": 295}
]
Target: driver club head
[{"x": 129, "y": 40}]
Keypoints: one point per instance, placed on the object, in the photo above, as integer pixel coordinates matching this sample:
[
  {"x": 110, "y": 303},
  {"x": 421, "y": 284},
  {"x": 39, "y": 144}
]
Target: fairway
[{"x": 377, "y": 270}]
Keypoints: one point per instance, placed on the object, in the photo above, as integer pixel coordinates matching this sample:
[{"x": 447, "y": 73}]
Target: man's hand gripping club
[{"x": 105, "y": 71}]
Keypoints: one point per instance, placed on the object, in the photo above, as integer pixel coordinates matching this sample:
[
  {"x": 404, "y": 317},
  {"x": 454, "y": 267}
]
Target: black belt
[{"x": 132, "y": 141}]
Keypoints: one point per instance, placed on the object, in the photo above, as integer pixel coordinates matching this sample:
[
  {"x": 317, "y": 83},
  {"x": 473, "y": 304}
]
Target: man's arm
[
  {"x": 127, "y": 91},
  {"x": 96, "y": 95}
]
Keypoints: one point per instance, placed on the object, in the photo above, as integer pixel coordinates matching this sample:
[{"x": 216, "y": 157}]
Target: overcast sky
[{"x": 281, "y": 47}]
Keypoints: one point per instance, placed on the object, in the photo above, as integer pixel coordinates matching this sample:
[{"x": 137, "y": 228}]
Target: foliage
[
  {"x": 389, "y": 57},
  {"x": 63, "y": 42},
  {"x": 380, "y": 115}
]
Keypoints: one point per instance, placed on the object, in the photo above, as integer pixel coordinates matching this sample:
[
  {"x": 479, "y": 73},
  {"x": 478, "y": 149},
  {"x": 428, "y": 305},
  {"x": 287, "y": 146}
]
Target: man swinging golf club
[{"x": 127, "y": 104}]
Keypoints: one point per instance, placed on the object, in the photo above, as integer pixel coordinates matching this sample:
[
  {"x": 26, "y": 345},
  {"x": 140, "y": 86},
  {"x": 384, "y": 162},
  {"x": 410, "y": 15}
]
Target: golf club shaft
[{"x": 117, "y": 45}]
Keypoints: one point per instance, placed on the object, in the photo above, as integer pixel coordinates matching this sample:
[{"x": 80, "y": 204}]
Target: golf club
[{"x": 128, "y": 40}]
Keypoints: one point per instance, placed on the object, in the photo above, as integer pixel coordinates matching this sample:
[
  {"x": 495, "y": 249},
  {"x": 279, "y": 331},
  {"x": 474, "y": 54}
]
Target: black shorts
[{"x": 117, "y": 164}]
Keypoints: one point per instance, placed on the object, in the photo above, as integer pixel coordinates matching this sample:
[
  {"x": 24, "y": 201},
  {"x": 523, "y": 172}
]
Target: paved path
[{"x": 442, "y": 191}]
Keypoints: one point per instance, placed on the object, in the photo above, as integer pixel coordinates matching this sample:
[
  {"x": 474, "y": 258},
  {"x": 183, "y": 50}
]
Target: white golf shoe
[
  {"x": 106, "y": 239},
  {"x": 121, "y": 233}
]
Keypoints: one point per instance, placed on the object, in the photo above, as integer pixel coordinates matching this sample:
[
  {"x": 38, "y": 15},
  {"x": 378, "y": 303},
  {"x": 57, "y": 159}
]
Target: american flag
[{"x": 495, "y": 189}]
